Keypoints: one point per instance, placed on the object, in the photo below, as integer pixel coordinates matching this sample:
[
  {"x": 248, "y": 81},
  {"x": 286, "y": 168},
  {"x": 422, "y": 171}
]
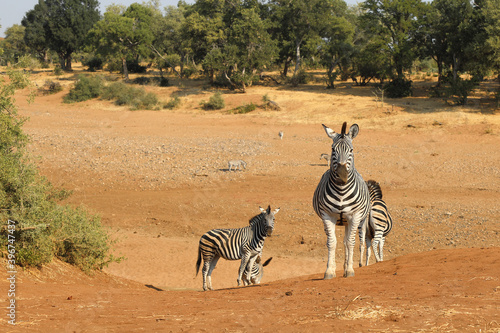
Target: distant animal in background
[
  {"x": 281, "y": 135},
  {"x": 236, "y": 164},
  {"x": 376, "y": 226},
  {"x": 257, "y": 271},
  {"x": 326, "y": 157}
]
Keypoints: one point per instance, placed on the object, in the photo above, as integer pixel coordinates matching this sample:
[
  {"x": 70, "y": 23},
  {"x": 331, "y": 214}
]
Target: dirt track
[{"x": 159, "y": 180}]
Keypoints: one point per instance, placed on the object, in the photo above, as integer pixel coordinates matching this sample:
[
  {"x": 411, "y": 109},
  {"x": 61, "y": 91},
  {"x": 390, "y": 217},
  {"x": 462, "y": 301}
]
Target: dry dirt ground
[{"x": 159, "y": 180}]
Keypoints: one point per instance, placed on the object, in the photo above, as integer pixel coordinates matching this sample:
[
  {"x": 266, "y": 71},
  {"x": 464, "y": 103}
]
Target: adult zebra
[
  {"x": 232, "y": 244},
  {"x": 341, "y": 195},
  {"x": 376, "y": 227}
]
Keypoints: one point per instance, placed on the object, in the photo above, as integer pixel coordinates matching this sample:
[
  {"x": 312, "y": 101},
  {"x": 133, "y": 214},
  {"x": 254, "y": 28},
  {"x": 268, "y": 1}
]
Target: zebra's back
[
  {"x": 381, "y": 217},
  {"x": 224, "y": 242}
]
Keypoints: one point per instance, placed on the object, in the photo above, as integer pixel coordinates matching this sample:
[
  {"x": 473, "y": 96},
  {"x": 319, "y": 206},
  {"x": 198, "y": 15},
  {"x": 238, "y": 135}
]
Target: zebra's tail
[{"x": 198, "y": 262}]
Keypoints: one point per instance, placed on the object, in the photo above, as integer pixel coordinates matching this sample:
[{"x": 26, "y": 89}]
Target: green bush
[
  {"x": 173, "y": 103},
  {"x": 94, "y": 63},
  {"x": 58, "y": 71},
  {"x": 244, "y": 108},
  {"x": 43, "y": 228},
  {"x": 456, "y": 92},
  {"x": 301, "y": 77},
  {"x": 398, "y": 88},
  {"x": 215, "y": 102},
  {"x": 85, "y": 88},
  {"x": 155, "y": 81},
  {"x": 135, "y": 98},
  {"x": 50, "y": 87}
]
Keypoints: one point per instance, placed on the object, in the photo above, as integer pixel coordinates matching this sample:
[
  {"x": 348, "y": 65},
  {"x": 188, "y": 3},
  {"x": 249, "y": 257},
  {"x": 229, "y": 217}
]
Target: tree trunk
[
  {"x": 62, "y": 62},
  {"x": 125, "y": 69},
  {"x": 68, "y": 62},
  {"x": 285, "y": 68},
  {"x": 297, "y": 57}
]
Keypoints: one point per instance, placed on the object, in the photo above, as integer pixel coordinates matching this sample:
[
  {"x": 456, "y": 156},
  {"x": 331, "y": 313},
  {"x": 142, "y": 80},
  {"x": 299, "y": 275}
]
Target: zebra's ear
[
  {"x": 353, "y": 131},
  {"x": 329, "y": 131},
  {"x": 262, "y": 209},
  {"x": 276, "y": 210}
]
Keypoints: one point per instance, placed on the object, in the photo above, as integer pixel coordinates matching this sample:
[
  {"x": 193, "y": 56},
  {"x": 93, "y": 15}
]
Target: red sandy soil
[{"x": 159, "y": 180}]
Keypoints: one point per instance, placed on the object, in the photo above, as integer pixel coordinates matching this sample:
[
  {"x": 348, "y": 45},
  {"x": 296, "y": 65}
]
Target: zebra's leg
[
  {"x": 243, "y": 266},
  {"x": 368, "y": 250},
  {"x": 213, "y": 262},
  {"x": 362, "y": 237},
  {"x": 376, "y": 241},
  {"x": 349, "y": 242},
  {"x": 382, "y": 241},
  {"x": 248, "y": 274},
  {"x": 331, "y": 244},
  {"x": 204, "y": 271}
]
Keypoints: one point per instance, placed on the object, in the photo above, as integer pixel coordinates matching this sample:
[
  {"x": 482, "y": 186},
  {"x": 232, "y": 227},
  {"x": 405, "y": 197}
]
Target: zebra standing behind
[
  {"x": 232, "y": 244},
  {"x": 376, "y": 227},
  {"x": 237, "y": 164},
  {"x": 341, "y": 194}
]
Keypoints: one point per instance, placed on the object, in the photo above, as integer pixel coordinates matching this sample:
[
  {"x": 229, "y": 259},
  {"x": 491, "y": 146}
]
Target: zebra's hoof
[
  {"x": 329, "y": 276},
  {"x": 348, "y": 273}
]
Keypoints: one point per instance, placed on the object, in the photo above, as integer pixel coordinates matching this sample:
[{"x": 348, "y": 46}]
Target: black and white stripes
[
  {"x": 341, "y": 194},
  {"x": 232, "y": 244},
  {"x": 376, "y": 227}
]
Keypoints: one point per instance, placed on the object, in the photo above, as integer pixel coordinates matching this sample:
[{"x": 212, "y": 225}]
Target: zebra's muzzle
[
  {"x": 269, "y": 231},
  {"x": 342, "y": 173}
]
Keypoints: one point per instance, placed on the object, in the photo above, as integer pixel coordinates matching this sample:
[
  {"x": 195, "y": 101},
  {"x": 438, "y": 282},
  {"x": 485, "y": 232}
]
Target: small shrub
[
  {"x": 266, "y": 98},
  {"x": 135, "y": 98},
  {"x": 156, "y": 81},
  {"x": 398, "y": 88},
  {"x": 50, "y": 87},
  {"x": 93, "y": 64},
  {"x": 301, "y": 77},
  {"x": 457, "y": 91},
  {"x": 216, "y": 102},
  {"x": 244, "y": 108},
  {"x": 57, "y": 71},
  {"x": 85, "y": 88},
  {"x": 173, "y": 103},
  {"x": 189, "y": 71}
]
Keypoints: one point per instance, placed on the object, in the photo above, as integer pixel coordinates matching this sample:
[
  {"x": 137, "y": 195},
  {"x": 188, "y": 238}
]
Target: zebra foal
[
  {"x": 376, "y": 226},
  {"x": 232, "y": 244},
  {"x": 257, "y": 271},
  {"x": 341, "y": 194}
]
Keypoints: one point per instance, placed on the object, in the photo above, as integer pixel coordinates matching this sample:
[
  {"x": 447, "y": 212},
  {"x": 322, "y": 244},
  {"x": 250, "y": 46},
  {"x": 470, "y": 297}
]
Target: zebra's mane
[
  {"x": 344, "y": 126},
  {"x": 374, "y": 189},
  {"x": 255, "y": 219}
]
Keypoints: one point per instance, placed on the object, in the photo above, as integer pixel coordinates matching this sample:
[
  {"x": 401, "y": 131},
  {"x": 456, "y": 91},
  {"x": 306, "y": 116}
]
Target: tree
[
  {"x": 123, "y": 33},
  {"x": 491, "y": 13},
  {"x": 297, "y": 22},
  {"x": 337, "y": 45},
  {"x": 13, "y": 44},
  {"x": 34, "y": 36},
  {"x": 68, "y": 22},
  {"x": 399, "y": 21},
  {"x": 449, "y": 32},
  {"x": 169, "y": 39},
  {"x": 230, "y": 39}
]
